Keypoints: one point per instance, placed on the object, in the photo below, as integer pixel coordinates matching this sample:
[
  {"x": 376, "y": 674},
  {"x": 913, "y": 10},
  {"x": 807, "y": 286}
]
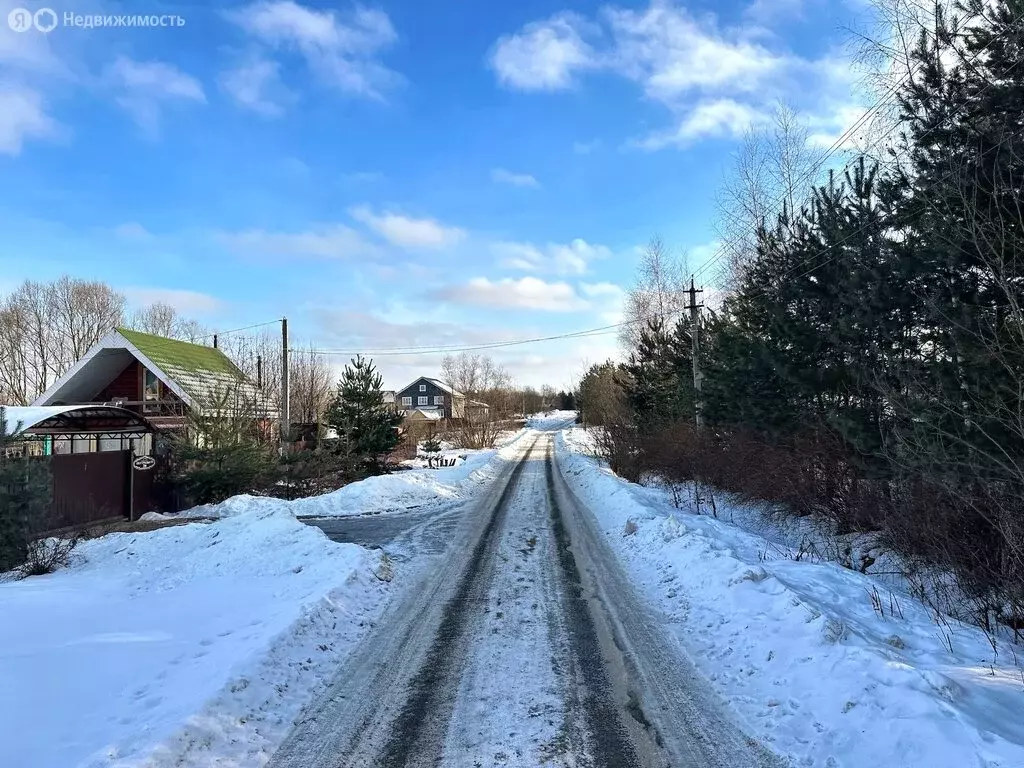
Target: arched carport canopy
[{"x": 71, "y": 420}]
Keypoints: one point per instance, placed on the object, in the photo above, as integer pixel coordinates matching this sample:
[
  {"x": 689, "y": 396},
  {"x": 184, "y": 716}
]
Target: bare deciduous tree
[
  {"x": 772, "y": 171},
  {"x": 311, "y": 386},
  {"x": 658, "y": 292}
]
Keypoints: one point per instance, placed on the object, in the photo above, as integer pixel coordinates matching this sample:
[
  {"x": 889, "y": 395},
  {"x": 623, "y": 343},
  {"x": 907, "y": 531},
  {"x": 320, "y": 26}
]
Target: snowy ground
[
  {"x": 190, "y": 645},
  {"x": 797, "y": 648},
  {"x": 399, "y": 491}
]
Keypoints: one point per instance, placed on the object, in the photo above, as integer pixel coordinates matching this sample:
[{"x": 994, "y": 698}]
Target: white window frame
[
  {"x": 423, "y": 387},
  {"x": 439, "y": 400},
  {"x": 422, "y": 400},
  {"x": 407, "y": 401}
]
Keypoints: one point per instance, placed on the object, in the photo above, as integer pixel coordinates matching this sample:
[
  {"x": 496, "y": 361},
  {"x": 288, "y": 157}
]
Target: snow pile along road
[
  {"x": 191, "y": 645},
  {"x": 397, "y": 492},
  {"x": 798, "y": 650}
]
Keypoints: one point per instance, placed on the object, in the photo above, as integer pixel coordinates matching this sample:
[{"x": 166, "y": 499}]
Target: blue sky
[{"x": 396, "y": 174}]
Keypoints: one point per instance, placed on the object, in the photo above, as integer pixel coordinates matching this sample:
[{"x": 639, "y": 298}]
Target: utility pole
[
  {"x": 286, "y": 421},
  {"x": 698, "y": 376}
]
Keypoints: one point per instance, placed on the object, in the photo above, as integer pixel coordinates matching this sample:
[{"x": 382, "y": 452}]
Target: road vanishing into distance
[{"x": 518, "y": 641}]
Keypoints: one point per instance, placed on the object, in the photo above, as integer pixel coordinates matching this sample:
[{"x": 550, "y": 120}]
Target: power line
[
  {"x": 400, "y": 351},
  {"x": 237, "y": 330}
]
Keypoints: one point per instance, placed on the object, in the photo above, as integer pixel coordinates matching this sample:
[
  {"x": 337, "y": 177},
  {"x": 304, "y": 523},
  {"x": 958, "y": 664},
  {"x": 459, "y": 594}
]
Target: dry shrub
[
  {"x": 970, "y": 535},
  {"x": 48, "y": 555}
]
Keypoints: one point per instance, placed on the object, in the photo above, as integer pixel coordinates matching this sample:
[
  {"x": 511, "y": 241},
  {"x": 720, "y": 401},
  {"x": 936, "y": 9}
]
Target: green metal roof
[{"x": 202, "y": 372}]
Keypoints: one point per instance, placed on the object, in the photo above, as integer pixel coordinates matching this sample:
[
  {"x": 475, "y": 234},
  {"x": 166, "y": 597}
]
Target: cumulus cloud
[
  {"x": 143, "y": 88},
  {"x": 22, "y": 117},
  {"x": 715, "y": 79},
  {"x": 256, "y": 85},
  {"x": 573, "y": 258},
  {"x": 544, "y": 55},
  {"x": 508, "y": 293},
  {"x": 408, "y": 232},
  {"x": 709, "y": 119},
  {"x": 343, "y": 50}
]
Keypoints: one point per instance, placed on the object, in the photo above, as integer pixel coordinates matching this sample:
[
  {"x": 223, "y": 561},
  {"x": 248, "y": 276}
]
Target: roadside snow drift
[
  {"x": 190, "y": 645},
  {"x": 797, "y": 649},
  {"x": 397, "y": 492}
]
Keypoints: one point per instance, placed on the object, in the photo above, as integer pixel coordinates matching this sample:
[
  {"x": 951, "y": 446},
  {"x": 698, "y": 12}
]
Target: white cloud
[
  {"x": 22, "y": 117},
  {"x": 144, "y": 86},
  {"x": 342, "y": 50},
  {"x": 256, "y": 85},
  {"x": 524, "y": 293},
  {"x": 671, "y": 54},
  {"x": 721, "y": 118},
  {"x": 332, "y": 242},
  {"x": 573, "y": 258},
  {"x": 544, "y": 55},
  {"x": 715, "y": 79},
  {"x": 828, "y": 126},
  {"x": 501, "y": 176},
  {"x": 186, "y": 302},
  {"x": 607, "y": 298},
  {"x": 408, "y": 232}
]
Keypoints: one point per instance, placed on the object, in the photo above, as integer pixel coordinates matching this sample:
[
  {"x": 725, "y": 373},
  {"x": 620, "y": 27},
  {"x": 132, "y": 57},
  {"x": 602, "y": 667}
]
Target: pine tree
[
  {"x": 658, "y": 380},
  {"x": 367, "y": 427},
  {"x": 25, "y": 496}
]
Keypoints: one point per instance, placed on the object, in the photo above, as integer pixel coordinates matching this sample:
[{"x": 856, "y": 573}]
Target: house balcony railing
[{"x": 153, "y": 408}]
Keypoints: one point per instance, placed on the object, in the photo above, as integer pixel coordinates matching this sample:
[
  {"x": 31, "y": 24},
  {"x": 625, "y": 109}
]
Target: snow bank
[
  {"x": 798, "y": 649},
  {"x": 184, "y": 646},
  {"x": 385, "y": 493}
]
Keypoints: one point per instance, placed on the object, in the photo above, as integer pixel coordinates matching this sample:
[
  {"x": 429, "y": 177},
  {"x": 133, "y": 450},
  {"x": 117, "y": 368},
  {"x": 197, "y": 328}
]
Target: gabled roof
[
  {"x": 199, "y": 375},
  {"x": 436, "y": 382}
]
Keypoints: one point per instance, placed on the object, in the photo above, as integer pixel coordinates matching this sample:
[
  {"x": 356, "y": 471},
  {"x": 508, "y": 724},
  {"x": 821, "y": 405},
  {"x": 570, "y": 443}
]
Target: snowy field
[
  {"x": 193, "y": 645},
  {"x": 798, "y": 649}
]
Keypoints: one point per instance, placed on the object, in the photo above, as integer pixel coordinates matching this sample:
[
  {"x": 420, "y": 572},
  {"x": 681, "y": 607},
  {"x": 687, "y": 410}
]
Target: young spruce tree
[{"x": 366, "y": 425}]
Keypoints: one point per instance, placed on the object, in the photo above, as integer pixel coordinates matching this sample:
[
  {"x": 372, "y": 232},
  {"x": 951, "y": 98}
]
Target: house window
[
  {"x": 150, "y": 391},
  {"x": 439, "y": 400},
  {"x": 407, "y": 402},
  {"x": 422, "y": 400},
  {"x": 423, "y": 387}
]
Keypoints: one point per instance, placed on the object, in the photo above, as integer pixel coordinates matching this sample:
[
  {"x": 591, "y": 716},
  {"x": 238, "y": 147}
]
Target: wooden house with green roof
[{"x": 163, "y": 379}]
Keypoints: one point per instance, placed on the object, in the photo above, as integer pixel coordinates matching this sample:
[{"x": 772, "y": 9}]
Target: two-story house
[
  {"x": 432, "y": 396},
  {"x": 161, "y": 379}
]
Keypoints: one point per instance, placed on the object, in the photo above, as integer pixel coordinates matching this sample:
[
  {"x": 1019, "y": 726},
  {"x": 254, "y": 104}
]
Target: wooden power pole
[
  {"x": 698, "y": 376},
  {"x": 286, "y": 420}
]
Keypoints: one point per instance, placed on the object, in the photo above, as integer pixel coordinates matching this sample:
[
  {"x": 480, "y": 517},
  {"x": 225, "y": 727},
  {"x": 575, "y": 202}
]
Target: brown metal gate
[{"x": 89, "y": 486}]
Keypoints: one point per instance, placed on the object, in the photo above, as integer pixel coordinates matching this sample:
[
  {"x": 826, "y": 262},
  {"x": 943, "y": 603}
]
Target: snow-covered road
[{"x": 522, "y": 643}]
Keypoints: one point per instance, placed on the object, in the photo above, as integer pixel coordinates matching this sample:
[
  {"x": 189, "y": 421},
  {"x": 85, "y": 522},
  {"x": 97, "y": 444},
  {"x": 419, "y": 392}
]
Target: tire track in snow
[{"x": 442, "y": 682}]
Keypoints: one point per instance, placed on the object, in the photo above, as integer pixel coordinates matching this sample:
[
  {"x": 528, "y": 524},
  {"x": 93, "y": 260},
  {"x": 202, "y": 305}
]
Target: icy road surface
[{"x": 522, "y": 644}]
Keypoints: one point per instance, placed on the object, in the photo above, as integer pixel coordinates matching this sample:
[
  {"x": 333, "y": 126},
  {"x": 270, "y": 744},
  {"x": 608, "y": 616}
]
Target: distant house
[
  {"x": 434, "y": 397},
  {"x": 163, "y": 379}
]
